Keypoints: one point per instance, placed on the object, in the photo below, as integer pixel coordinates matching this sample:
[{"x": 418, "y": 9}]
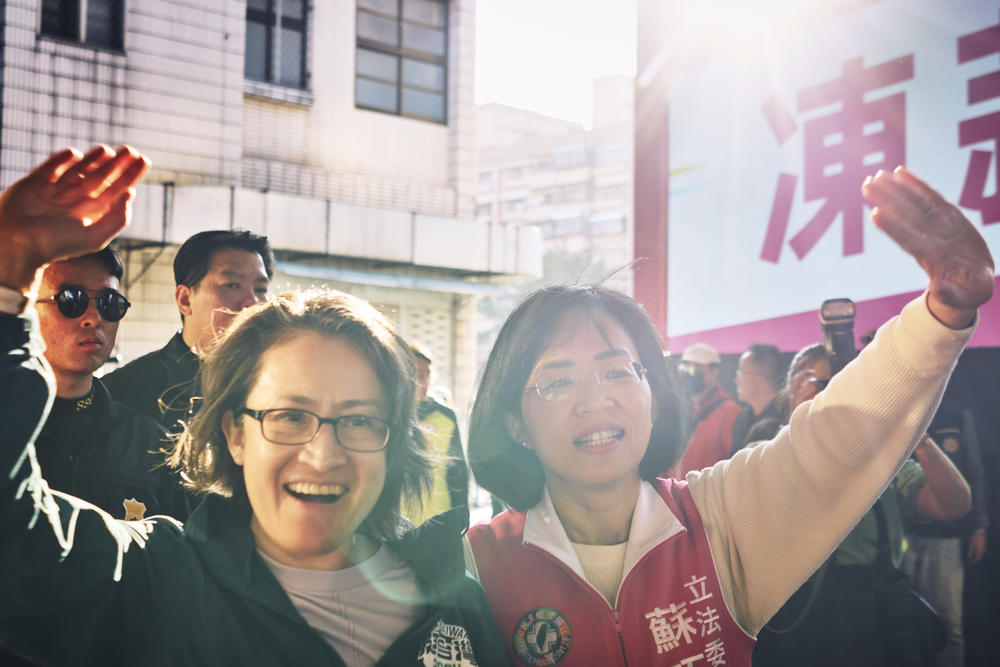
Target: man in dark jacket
[
  {"x": 217, "y": 274},
  {"x": 91, "y": 445},
  {"x": 758, "y": 382}
]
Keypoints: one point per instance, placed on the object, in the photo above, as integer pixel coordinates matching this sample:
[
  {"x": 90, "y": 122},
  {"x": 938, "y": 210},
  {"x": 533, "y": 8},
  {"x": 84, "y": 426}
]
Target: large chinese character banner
[{"x": 769, "y": 143}]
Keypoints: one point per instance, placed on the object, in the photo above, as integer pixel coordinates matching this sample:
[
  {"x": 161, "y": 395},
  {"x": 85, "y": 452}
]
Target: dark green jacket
[{"x": 80, "y": 588}]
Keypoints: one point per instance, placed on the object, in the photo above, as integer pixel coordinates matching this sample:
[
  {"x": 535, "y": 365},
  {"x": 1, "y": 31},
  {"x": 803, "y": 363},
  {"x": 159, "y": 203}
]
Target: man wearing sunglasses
[
  {"x": 217, "y": 274},
  {"x": 91, "y": 445}
]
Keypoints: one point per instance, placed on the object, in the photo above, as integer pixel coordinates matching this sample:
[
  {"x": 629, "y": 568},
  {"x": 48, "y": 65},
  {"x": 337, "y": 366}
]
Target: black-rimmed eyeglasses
[
  {"x": 72, "y": 302},
  {"x": 292, "y": 426}
]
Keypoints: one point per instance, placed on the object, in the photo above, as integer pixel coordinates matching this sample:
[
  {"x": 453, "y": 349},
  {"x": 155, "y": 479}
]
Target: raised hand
[
  {"x": 944, "y": 243},
  {"x": 71, "y": 204}
]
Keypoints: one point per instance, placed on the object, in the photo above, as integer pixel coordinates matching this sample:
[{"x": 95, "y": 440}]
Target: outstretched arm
[
  {"x": 792, "y": 500},
  {"x": 69, "y": 205}
]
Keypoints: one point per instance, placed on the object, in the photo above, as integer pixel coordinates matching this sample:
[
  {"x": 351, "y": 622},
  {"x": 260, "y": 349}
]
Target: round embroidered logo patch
[
  {"x": 950, "y": 444},
  {"x": 542, "y": 637}
]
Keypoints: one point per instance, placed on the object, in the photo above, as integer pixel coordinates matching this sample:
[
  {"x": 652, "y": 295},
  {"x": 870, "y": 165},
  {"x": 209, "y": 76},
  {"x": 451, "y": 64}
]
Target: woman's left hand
[{"x": 945, "y": 244}]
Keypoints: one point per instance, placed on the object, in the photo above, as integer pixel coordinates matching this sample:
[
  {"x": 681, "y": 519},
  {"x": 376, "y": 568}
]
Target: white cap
[{"x": 701, "y": 353}]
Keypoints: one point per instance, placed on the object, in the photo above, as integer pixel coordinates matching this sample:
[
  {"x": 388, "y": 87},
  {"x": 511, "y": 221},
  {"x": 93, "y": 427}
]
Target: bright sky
[{"x": 543, "y": 55}]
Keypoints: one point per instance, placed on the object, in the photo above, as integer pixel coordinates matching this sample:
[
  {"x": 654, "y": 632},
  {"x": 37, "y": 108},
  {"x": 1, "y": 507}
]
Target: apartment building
[
  {"x": 342, "y": 129},
  {"x": 573, "y": 185}
]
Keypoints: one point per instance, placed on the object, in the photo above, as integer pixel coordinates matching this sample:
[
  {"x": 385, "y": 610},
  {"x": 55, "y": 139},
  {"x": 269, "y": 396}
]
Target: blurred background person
[
  {"x": 713, "y": 413},
  {"x": 450, "y": 478},
  {"x": 940, "y": 550},
  {"x": 837, "y": 617},
  {"x": 759, "y": 380}
]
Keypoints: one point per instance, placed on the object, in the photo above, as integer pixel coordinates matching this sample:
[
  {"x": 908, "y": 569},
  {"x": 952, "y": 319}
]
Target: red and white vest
[{"x": 669, "y": 609}]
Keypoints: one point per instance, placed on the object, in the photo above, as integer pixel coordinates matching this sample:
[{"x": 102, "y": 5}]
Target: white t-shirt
[{"x": 360, "y": 611}]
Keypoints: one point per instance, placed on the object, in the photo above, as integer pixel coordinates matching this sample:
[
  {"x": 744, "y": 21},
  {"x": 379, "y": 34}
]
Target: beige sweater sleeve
[{"x": 774, "y": 513}]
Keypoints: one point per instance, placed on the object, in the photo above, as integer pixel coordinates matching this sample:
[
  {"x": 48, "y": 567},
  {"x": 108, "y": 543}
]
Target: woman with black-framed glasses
[{"x": 305, "y": 446}]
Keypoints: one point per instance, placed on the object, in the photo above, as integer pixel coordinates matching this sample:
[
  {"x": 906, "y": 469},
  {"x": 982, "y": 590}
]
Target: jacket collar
[
  {"x": 177, "y": 351},
  {"x": 219, "y": 529},
  {"x": 652, "y": 524}
]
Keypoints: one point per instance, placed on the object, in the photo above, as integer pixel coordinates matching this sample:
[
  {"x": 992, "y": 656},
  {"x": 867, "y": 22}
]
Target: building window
[
  {"x": 610, "y": 192},
  {"x": 97, "y": 22},
  {"x": 612, "y": 224},
  {"x": 514, "y": 206},
  {"x": 568, "y": 157},
  {"x": 484, "y": 210},
  {"x": 276, "y": 42},
  {"x": 514, "y": 173},
  {"x": 401, "y": 57},
  {"x": 571, "y": 192}
]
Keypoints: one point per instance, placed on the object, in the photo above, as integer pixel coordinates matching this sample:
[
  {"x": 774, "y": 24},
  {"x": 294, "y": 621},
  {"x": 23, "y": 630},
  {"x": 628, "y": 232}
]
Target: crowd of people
[
  {"x": 193, "y": 508},
  {"x": 935, "y": 506}
]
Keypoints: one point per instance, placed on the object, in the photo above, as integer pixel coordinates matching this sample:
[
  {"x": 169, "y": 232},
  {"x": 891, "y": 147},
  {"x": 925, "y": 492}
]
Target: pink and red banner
[{"x": 766, "y": 145}]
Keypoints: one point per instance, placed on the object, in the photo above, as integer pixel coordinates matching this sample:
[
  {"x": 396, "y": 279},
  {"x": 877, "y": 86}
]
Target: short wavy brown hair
[{"x": 232, "y": 366}]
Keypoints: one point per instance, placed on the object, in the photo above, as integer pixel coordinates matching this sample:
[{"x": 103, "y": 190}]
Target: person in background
[
  {"x": 450, "y": 480},
  {"x": 820, "y": 625},
  {"x": 217, "y": 273},
  {"x": 306, "y": 445},
  {"x": 713, "y": 413},
  {"x": 758, "y": 385},
  {"x": 599, "y": 561},
  {"x": 939, "y": 550},
  {"x": 93, "y": 446}
]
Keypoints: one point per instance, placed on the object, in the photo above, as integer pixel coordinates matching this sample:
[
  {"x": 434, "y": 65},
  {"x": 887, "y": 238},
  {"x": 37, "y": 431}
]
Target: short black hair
[
  {"x": 195, "y": 255},
  {"x": 767, "y": 358},
  {"x": 111, "y": 260},
  {"x": 513, "y": 473}
]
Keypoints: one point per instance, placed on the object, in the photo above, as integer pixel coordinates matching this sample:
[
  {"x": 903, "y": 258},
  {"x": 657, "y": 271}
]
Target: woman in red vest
[{"x": 598, "y": 562}]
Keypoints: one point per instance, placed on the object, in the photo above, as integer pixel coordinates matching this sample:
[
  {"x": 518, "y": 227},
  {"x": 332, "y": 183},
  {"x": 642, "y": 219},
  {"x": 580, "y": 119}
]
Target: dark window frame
[
  {"x": 274, "y": 21},
  {"x": 402, "y": 54},
  {"x": 68, "y": 20}
]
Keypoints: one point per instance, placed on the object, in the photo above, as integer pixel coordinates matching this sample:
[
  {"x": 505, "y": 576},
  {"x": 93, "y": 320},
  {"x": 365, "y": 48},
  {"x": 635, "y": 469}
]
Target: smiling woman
[
  {"x": 305, "y": 447},
  {"x": 598, "y": 561}
]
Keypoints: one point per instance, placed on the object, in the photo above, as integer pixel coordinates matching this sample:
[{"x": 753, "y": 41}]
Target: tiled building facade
[{"x": 342, "y": 129}]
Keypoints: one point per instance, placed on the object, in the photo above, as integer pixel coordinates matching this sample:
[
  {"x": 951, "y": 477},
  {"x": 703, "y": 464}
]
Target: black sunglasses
[{"x": 73, "y": 301}]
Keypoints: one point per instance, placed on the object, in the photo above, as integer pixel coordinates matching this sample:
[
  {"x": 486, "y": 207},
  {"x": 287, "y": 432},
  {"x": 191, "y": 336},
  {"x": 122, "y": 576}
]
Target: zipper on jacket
[{"x": 617, "y": 617}]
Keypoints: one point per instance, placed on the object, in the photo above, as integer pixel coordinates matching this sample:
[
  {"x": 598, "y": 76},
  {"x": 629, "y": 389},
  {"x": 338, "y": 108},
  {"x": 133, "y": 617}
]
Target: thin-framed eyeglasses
[
  {"x": 73, "y": 301},
  {"x": 293, "y": 426},
  {"x": 559, "y": 385}
]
